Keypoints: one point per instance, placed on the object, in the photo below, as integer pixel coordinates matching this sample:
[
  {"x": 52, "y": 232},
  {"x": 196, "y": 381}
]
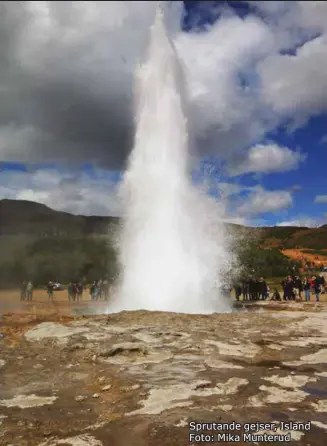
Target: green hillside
[{"x": 39, "y": 243}]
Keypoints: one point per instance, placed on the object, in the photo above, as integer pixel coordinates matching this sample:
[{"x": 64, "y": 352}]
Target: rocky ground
[{"x": 140, "y": 378}]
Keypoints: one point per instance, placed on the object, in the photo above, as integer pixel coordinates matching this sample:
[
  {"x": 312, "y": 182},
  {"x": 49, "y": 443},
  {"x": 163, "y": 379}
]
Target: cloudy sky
[{"x": 256, "y": 74}]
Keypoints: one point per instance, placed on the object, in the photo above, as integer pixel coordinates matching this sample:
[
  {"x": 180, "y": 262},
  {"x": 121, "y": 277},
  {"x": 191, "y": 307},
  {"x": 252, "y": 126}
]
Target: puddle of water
[
  {"x": 315, "y": 392},
  {"x": 243, "y": 307},
  {"x": 281, "y": 416}
]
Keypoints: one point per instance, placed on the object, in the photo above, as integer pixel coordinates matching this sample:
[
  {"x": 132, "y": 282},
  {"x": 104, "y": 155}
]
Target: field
[
  {"x": 319, "y": 257},
  {"x": 10, "y": 302}
]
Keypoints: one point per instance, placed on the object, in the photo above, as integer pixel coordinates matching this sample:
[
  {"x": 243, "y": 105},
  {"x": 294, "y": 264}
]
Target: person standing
[
  {"x": 94, "y": 291},
  {"x": 70, "y": 291},
  {"x": 307, "y": 288},
  {"x": 79, "y": 291},
  {"x": 288, "y": 291},
  {"x": 268, "y": 297},
  {"x": 312, "y": 282},
  {"x": 283, "y": 284},
  {"x": 256, "y": 288},
  {"x": 299, "y": 286},
  {"x": 245, "y": 289},
  {"x": 262, "y": 289},
  {"x": 238, "y": 291},
  {"x": 75, "y": 291},
  {"x": 29, "y": 290},
  {"x": 317, "y": 290},
  {"x": 23, "y": 291},
  {"x": 322, "y": 282},
  {"x": 251, "y": 288},
  {"x": 50, "y": 287}
]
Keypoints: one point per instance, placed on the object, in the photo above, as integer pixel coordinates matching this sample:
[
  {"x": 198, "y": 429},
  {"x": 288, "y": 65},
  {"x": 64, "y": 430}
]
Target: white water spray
[{"x": 172, "y": 250}]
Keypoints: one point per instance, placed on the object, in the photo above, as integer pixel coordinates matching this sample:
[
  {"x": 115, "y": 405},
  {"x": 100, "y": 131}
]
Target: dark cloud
[{"x": 67, "y": 95}]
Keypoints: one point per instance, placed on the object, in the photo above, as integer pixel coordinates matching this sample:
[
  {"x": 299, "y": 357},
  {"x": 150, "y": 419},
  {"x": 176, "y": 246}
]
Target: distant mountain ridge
[{"x": 21, "y": 217}]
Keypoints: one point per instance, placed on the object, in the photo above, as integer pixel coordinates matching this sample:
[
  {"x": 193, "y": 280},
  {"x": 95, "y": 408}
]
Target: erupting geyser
[{"x": 172, "y": 250}]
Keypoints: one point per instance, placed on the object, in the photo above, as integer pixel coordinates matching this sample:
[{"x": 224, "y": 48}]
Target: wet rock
[
  {"x": 126, "y": 348},
  {"x": 319, "y": 424},
  {"x": 217, "y": 364},
  {"x": 77, "y": 346},
  {"x": 320, "y": 406},
  {"x": 79, "y": 440},
  {"x": 182, "y": 423},
  {"x": 105, "y": 388},
  {"x": 290, "y": 381},
  {"x": 2, "y": 417},
  {"x": 244, "y": 349},
  {"x": 226, "y": 407},
  {"x": 38, "y": 366},
  {"x": 26, "y": 401},
  {"x": 80, "y": 398},
  {"x": 320, "y": 357},
  {"x": 275, "y": 395},
  {"x": 59, "y": 332},
  {"x": 178, "y": 395},
  {"x": 130, "y": 388}
]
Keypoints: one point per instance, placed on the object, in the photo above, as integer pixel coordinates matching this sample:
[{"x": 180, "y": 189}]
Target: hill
[
  {"x": 43, "y": 244},
  {"x": 18, "y": 217}
]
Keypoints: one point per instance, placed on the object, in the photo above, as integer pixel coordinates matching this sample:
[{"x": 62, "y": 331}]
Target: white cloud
[
  {"x": 67, "y": 191},
  {"x": 296, "y": 86},
  {"x": 320, "y": 199},
  {"x": 307, "y": 222},
  {"x": 280, "y": 87},
  {"x": 324, "y": 140},
  {"x": 224, "y": 116},
  {"x": 267, "y": 158},
  {"x": 262, "y": 201}
]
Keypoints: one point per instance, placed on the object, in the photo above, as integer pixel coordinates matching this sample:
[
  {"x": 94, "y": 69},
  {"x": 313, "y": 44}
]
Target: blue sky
[{"x": 257, "y": 77}]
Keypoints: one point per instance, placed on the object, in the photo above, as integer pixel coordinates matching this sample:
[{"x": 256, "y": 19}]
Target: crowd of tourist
[
  {"x": 99, "y": 289},
  {"x": 293, "y": 288}
]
